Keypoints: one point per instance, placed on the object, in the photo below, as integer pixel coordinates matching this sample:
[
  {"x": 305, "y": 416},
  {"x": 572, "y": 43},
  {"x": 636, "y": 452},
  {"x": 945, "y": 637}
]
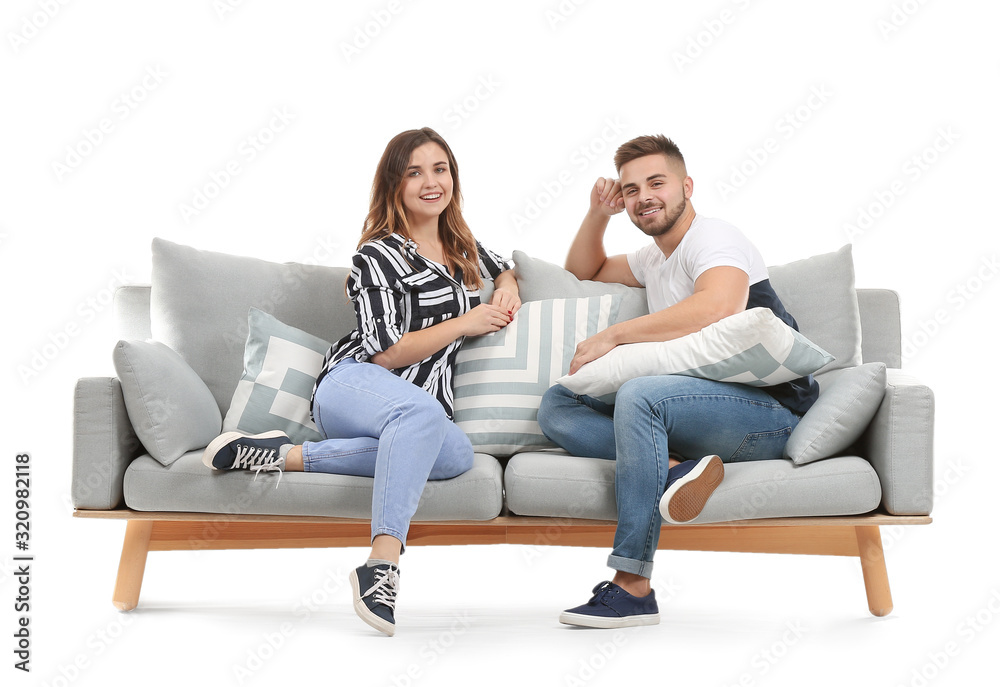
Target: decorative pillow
[
  {"x": 170, "y": 407},
  {"x": 752, "y": 347},
  {"x": 280, "y": 365},
  {"x": 840, "y": 415},
  {"x": 500, "y": 378},
  {"x": 819, "y": 293}
]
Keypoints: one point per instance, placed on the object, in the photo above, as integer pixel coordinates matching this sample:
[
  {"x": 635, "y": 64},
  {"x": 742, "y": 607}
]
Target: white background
[{"x": 893, "y": 111}]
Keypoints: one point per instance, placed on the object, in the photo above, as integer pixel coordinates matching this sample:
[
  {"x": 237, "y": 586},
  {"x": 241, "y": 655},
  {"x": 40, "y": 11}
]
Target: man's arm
[
  {"x": 719, "y": 292},
  {"x": 587, "y": 258}
]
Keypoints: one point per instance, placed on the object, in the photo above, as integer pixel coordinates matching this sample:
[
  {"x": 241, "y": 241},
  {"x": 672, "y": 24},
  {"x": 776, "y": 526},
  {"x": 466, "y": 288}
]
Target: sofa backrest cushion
[
  {"x": 199, "y": 303},
  {"x": 538, "y": 280}
]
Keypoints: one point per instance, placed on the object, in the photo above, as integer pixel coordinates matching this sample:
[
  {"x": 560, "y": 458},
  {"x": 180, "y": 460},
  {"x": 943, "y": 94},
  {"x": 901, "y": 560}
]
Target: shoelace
[
  {"x": 258, "y": 459},
  {"x": 386, "y": 586},
  {"x": 600, "y": 591}
]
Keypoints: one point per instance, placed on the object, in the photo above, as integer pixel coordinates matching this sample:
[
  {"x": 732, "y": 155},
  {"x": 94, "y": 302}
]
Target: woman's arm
[{"x": 416, "y": 346}]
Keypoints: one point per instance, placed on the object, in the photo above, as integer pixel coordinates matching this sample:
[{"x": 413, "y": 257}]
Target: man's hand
[
  {"x": 606, "y": 197},
  {"x": 592, "y": 349}
]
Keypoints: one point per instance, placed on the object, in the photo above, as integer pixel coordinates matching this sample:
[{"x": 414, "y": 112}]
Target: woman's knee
[{"x": 456, "y": 457}]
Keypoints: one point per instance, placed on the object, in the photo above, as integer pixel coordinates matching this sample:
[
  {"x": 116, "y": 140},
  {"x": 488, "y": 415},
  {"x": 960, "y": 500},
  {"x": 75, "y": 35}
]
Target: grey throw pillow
[
  {"x": 170, "y": 407},
  {"x": 846, "y": 405}
]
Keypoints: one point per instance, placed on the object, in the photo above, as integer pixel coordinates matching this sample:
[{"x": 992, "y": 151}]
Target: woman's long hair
[{"x": 386, "y": 214}]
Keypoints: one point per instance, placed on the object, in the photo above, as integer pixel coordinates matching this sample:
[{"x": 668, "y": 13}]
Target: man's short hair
[{"x": 647, "y": 145}]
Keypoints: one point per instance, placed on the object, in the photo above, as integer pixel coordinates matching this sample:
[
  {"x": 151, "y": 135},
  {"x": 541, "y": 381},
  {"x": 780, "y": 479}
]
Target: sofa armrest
[
  {"x": 899, "y": 443},
  {"x": 104, "y": 443}
]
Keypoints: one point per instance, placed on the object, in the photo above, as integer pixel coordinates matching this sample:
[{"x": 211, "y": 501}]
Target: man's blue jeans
[
  {"x": 652, "y": 418},
  {"x": 379, "y": 425}
]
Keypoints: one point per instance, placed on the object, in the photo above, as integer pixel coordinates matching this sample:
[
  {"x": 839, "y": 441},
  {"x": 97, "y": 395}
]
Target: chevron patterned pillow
[{"x": 500, "y": 378}]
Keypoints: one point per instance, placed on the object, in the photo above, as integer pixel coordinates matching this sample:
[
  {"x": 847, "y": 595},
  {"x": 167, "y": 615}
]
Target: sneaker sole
[
  {"x": 603, "y": 623},
  {"x": 686, "y": 497},
  {"x": 361, "y": 609},
  {"x": 223, "y": 439}
]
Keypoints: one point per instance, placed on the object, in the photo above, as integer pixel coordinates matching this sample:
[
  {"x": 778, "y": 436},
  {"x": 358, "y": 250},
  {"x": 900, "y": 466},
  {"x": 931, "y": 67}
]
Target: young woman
[{"x": 384, "y": 400}]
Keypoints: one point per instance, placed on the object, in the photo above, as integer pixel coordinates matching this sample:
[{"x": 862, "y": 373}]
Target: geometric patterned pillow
[
  {"x": 753, "y": 347},
  {"x": 280, "y": 365},
  {"x": 499, "y": 378}
]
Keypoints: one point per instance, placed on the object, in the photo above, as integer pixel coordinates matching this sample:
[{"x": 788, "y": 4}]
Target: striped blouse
[{"x": 395, "y": 290}]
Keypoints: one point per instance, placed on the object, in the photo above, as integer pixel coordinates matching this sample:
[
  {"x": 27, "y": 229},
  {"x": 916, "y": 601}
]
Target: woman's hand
[
  {"x": 484, "y": 319},
  {"x": 506, "y": 300},
  {"x": 505, "y": 293}
]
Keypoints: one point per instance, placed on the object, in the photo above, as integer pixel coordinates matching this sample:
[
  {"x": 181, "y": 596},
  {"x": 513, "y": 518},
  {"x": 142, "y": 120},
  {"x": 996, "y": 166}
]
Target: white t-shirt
[{"x": 708, "y": 243}]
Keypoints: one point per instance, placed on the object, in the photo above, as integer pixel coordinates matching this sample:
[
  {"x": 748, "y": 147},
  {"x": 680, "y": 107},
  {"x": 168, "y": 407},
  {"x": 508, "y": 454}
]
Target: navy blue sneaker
[
  {"x": 612, "y": 606},
  {"x": 689, "y": 486},
  {"x": 235, "y": 451},
  {"x": 375, "y": 590}
]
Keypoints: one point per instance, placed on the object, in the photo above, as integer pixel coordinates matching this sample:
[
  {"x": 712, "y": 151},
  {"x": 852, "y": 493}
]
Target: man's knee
[
  {"x": 554, "y": 400},
  {"x": 634, "y": 392}
]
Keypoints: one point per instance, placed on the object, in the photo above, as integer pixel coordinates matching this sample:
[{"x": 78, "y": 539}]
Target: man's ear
[{"x": 688, "y": 188}]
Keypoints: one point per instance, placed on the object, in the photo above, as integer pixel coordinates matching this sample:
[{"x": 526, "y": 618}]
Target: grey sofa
[{"x": 197, "y": 305}]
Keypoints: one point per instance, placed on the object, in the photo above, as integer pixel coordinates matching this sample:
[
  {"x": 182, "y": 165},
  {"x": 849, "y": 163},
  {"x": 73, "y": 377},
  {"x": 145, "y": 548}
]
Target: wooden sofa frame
[{"x": 857, "y": 536}]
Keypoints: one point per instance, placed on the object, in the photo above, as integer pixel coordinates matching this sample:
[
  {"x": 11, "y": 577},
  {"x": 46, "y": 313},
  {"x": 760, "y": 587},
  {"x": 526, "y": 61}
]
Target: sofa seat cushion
[
  {"x": 555, "y": 484},
  {"x": 188, "y": 486}
]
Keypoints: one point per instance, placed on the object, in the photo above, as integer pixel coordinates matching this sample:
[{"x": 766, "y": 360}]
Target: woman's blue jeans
[
  {"x": 652, "y": 418},
  {"x": 379, "y": 425}
]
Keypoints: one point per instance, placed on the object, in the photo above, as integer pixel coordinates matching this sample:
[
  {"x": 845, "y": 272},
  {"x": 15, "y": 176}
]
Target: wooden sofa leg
[
  {"x": 873, "y": 570},
  {"x": 132, "y": 565}
]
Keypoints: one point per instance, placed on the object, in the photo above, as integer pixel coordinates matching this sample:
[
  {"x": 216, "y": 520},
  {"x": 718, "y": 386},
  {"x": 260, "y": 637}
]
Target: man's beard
[{"x": 668, "y": 218}]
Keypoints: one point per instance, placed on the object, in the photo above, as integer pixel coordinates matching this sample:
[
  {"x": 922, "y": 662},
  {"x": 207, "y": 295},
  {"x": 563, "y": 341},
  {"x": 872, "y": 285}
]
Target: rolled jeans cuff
[{"x": 630, "y": 565}]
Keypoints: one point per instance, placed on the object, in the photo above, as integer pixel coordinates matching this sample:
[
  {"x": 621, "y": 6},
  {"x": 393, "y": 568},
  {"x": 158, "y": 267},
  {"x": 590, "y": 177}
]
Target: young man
[{"x": 670, "y": 434}]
